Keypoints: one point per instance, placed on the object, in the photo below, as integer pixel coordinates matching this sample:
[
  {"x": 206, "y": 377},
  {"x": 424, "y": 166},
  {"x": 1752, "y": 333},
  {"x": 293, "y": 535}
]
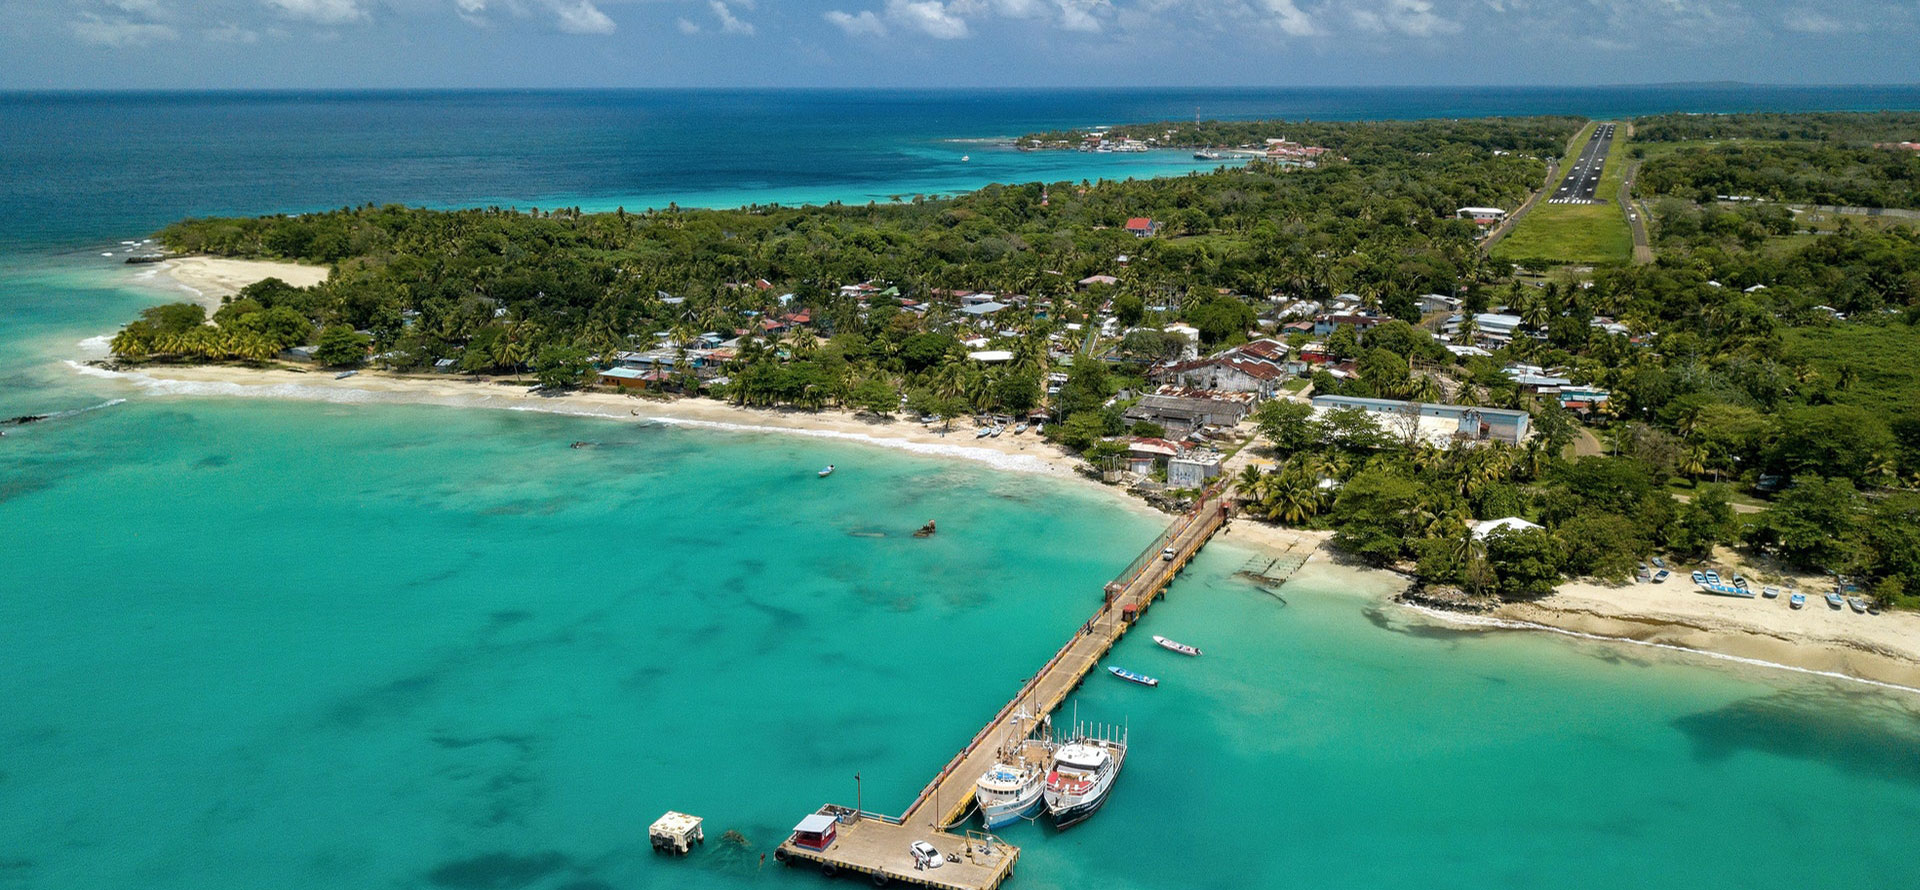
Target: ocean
[{"x": 252, "y": 643}]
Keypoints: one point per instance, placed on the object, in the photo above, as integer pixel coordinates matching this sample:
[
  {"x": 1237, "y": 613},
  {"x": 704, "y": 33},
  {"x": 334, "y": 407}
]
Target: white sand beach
[{"x": 211, "y": 279}]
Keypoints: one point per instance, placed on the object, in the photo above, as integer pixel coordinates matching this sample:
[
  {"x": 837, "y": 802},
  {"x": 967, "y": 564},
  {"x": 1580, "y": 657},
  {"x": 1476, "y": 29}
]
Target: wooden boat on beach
[{"x": 1181, "y": 648}]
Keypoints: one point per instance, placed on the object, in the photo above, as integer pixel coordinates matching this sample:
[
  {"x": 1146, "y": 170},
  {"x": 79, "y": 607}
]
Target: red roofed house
[
  {"x": 1143, "y": 454},
  {"x": 1142, "y": 227}
]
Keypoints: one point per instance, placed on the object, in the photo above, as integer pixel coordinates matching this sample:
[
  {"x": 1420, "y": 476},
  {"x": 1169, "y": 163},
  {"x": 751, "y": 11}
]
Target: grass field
[{"x": 1577, "y": 233}]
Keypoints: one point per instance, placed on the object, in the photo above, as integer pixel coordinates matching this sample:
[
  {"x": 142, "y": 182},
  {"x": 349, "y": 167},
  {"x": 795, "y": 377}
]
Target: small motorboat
[
  {"x": 1859, "y": 605},
  {"x": 1713, "y": 578},
  {"x": 1699, "y": 577},
  {"x": 1834, "y": 601},
  {"x": 1797, "y": 600},
  {"x": 827, "y": 472},
  {"x": 1770, "y": 592},
  {"x": 965, "y": 158},
  {"x": 344, "y": 375},
  {"x": 1019, "y": 428},
  {"x": 997, "y": 431},
  {"x": 926, "y": 531},
  {"x": 1659, "y": 563},
  {"x": 983, "y": 432},
  {"x": 1132, "y": 677},
  {"x": 1039, "y": 428},
  {"x": 1660, "y": 577},
  {"x": 1181, "y": 648},
  {"x": 580, "y": 445},
  {"x": 1739, "y": 582}
]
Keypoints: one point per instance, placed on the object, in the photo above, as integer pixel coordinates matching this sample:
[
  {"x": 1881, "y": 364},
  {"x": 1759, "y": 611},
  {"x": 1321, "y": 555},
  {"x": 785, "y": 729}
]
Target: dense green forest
[
  {"x": 1810, "y": 173},
  {"x": 1852, "y": 128},
  {"x": 1366, "y": 142},
  {"x": 1752, "y": 354}
]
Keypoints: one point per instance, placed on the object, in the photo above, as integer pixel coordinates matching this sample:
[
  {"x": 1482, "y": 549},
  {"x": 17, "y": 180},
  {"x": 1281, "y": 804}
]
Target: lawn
[{"x": 1577, "y": 233}]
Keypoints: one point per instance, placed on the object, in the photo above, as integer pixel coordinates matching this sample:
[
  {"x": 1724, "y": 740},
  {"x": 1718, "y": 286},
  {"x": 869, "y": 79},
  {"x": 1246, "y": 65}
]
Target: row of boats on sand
[
  {"x": 1710, "y": 582},
  {"x": 995, "y": 430},
  {"x": 1070, "y": 779}
]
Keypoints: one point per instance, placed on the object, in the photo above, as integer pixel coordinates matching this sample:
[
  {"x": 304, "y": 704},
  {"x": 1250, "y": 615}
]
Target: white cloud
[
  {"x": 229, "y": 32},
  {"x": 1414, "y": 18},
  {"x": 686, "y": 27},
  {"x": 325, "y": 12},
  {"x": 929, "y": 17},
  {"x": 119, "y": 32},
  {"x": 729, "y": 24},
  {"x": 865, "y": 24},
  {"x": 582, "y": 17},
  {"x": 1292, "y": 20},
  {"x": 147, "y": 8},
  {"x": 1807, "y": 21},
  {"x": 1077, "y": 15}
]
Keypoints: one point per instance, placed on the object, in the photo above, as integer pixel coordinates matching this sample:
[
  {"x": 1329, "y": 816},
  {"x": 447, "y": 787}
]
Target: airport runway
[{"x": 1584, "y": 177}]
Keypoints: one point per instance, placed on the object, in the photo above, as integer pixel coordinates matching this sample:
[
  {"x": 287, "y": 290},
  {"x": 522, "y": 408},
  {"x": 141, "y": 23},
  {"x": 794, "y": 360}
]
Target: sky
[{"x": 247, "y": 44}]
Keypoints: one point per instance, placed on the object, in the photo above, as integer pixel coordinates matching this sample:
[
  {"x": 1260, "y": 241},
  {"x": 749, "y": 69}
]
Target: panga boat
[
  {"x": 1132, "y": 677},
  {"x": 1858, "y": 604},
  {"x": 1181, "y": 648},
  {"x": 983, "y": 432},
  {"x": 1019, "y": 428},
  {"x": 1770, "y": 592},
  {"x": 827, "y": 472},
  {"x": 1699, "y": 577},
  {"x": 1660, "y": 577},
  {"x": 1834, "y": 600},
  {"x": 344, "y": 375},
  {"x": 1082, "y": 775},
  {"x": 1797, "y": 600},
  {"x": 1713, "y": 577}
]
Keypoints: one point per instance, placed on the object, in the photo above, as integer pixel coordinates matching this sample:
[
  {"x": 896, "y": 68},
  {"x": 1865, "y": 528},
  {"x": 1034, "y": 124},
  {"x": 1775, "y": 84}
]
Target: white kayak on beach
[{"x": 1181, "y": 648}]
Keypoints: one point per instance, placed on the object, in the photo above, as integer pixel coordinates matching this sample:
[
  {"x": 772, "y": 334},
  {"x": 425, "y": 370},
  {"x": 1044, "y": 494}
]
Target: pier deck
[{"x": 878, "y": 846}]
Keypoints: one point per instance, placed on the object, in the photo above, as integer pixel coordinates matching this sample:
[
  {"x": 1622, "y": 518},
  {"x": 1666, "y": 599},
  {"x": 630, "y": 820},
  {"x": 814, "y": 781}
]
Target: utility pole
[{"x": 857, "y": 808}]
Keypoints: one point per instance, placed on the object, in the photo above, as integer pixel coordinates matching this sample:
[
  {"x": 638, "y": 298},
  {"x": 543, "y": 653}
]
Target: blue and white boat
[
  {"x": 1727, "y": 590},
  {"x": 1713, "y": 578},
  {"x": 1797, "y": 600},
  {"x": 827, "y": 472},
  {"x": 1699, "y": 577},
  {"x": 1660, "y": 577},
  {"x": 1132, "y": 677},
  {"x": 1834, "y": 600}
]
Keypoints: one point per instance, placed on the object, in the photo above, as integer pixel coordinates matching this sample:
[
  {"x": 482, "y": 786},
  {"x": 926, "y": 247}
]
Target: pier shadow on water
[{"x": 1864, "y": 735}]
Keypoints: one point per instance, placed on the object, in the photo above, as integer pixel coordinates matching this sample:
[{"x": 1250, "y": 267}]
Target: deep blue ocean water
[{"x": 256, "y": 643}]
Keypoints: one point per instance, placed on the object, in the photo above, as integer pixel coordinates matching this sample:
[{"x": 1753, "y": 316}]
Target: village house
[
  {"x": 1435, "y": 422},
  {"x": 1142, "y": 227},
  {"x": 1185, "y": 414},
  {"x": 1326, "y": 324}
]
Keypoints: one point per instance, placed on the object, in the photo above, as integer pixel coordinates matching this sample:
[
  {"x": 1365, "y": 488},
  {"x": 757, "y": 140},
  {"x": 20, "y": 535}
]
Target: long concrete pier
[{"x": 877, "y": 846}]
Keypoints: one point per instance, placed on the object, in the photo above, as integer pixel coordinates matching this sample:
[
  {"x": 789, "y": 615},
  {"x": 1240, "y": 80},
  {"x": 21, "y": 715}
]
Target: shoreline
[{"x": 1880, "y": 649}]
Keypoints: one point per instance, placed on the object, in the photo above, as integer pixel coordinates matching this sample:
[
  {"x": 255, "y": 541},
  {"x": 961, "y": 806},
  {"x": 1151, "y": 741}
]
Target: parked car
[{"x": 925, "y": 856}]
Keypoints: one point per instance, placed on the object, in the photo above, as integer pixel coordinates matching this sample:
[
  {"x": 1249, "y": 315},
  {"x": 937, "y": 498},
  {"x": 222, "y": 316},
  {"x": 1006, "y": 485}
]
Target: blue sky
[{"x": 59, "y": 44}]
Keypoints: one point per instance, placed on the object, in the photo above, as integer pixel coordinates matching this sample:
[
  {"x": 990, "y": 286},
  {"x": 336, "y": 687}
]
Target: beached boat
[
  {"x": 1713, "y": 577},
  {"x": 1727, "y": 590},
  {"x": 1083, "y": 772},
  {"x": 1834, "y": 601},
  {"x": 1019, "y": 428},
  {"x": 1181, "y": 648},
  {"x": 1699, "y": 577},
  {"x": 1132, "y": 677},
  {"x": 1739, "y": 582},
  {"x": 997, "y": 431},
  {"x": 1660, "y": 577},
  {"x": 344, "y": 375},
  {"x": 983, "y": 432},
  {"x": 827, "y": 472},
  {"x": 1770, "y": 592},
  {"x": 1858, "y": 604},
  {"x": 1659, "y": 563},
  {"x": 1797, "y": 600}
]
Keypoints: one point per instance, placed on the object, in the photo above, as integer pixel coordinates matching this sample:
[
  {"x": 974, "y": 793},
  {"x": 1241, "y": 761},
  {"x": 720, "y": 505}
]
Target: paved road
[
  {"x": 1583, "y": 178},
  {"x": 1636, "y": 217}
]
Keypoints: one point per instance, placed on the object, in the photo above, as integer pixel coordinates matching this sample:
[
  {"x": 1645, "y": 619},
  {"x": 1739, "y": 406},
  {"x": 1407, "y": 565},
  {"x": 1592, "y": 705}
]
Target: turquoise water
[{"x": 249, "y": 643}]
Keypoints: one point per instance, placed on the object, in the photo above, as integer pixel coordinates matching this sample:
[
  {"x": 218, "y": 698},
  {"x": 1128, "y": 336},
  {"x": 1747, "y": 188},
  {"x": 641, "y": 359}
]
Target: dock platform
[{"x": 878, "y": 846}]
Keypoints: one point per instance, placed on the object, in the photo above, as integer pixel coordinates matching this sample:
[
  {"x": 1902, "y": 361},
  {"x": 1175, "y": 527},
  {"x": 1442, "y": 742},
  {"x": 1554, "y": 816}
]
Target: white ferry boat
[
  {"x": 1009, "y": 792},
  {"x": 1082, "y": 775}
]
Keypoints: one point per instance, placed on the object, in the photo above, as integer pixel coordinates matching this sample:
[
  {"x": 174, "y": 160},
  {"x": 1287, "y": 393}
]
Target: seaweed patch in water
[{"x": 497, "y": 871}]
